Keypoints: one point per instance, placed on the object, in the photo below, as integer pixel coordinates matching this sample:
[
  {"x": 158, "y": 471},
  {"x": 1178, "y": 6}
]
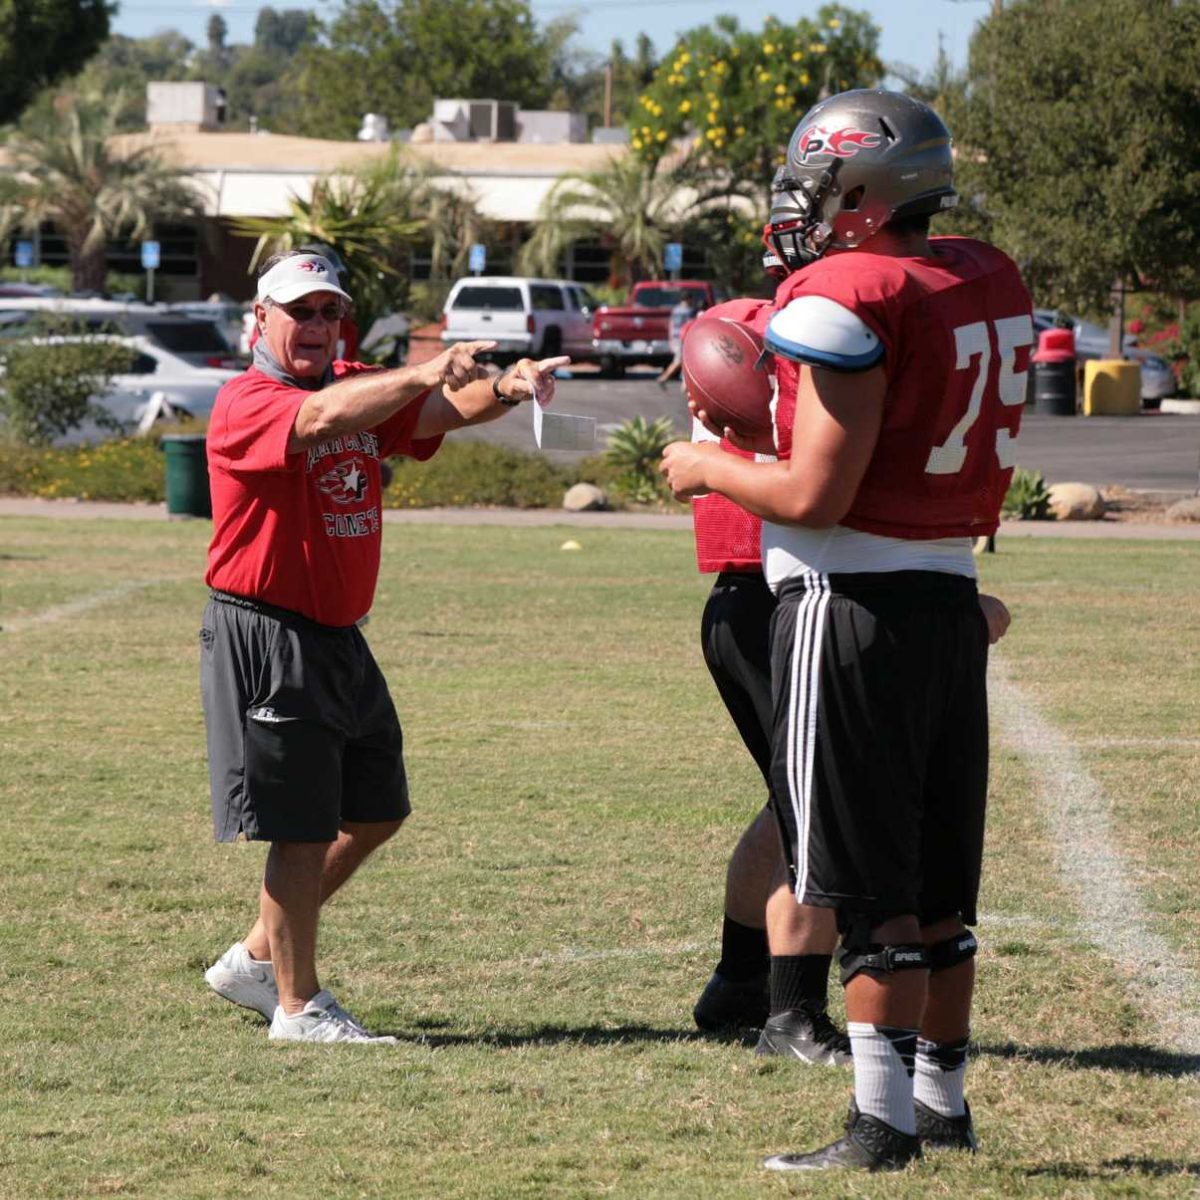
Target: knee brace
[
  {"x": 859, "y": 953},
  {"x": 877, "y": 959},
  {"x": 952, "y": 951}
]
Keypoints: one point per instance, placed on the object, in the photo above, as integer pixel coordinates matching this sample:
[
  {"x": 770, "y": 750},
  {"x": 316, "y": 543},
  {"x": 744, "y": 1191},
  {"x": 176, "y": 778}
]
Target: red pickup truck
[{"x": 640, "y": 330}]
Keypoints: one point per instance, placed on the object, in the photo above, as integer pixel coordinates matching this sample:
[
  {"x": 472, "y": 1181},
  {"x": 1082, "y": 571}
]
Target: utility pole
[{"x": 608, "y": 90}]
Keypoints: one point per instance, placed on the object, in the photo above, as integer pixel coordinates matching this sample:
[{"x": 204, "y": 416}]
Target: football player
[
  {"x": 782, "y": 990},
  {"x": 901, "y": 364}
]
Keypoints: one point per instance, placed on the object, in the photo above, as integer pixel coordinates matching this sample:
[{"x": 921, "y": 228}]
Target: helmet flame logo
[{"x": 839, "y": 143}]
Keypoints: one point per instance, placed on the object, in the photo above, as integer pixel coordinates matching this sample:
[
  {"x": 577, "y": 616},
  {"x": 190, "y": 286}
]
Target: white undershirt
[{"x": 789, "y": 550}]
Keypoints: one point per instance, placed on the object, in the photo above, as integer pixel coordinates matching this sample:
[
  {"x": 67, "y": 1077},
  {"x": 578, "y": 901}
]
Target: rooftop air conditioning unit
[
  {"x": 374, "y": 128},
  {"x": 492, "y": 120}
]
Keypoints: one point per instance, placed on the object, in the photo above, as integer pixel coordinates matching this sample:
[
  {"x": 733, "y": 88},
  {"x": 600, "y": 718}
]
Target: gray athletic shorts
[{"x": 302, "y": 733}]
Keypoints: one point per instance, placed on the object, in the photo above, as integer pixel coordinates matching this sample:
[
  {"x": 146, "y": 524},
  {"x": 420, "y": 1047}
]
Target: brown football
[{"x": 719, "y": 371}]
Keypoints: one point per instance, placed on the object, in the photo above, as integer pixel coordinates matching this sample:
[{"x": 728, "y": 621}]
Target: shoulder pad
[{"x": 823, "y": 333}]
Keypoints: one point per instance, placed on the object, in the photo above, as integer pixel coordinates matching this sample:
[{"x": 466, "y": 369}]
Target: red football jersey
[
  {"x": 300, "y": 531},
  {"x": 957, "y": 334},
  {"x": 728, "y": 538}
]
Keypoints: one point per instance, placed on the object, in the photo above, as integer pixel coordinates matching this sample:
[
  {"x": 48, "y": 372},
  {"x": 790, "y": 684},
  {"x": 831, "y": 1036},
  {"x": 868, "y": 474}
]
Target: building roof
[{"x": 255, "y": 174}]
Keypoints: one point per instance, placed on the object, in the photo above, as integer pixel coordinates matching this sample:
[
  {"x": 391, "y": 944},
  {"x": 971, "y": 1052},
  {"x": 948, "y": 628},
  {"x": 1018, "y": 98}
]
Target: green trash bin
[{"x": 187, "y": 475}]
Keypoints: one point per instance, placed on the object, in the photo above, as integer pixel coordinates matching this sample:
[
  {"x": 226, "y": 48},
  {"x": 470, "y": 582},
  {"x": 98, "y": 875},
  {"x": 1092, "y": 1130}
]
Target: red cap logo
[{"x": 838, "y": 143}]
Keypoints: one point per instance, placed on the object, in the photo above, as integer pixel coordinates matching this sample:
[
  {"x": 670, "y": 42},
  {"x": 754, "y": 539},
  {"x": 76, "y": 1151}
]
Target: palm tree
[
  {"x": 374, "y": 217},
  {"x": 633, "y": 206},
  {"x": 69, "y": 170}
]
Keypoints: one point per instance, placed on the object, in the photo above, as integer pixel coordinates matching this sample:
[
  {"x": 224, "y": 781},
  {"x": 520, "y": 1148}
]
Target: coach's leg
[
  {"x": 289, "y": 905},
  {"x": 356, "y": 841}
]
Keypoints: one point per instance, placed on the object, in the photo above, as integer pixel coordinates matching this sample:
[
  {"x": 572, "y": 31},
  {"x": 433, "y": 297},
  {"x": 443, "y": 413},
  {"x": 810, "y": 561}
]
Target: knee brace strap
[
  {"x": 952, "y": 951},
  {"x": 882, "y": 960}
]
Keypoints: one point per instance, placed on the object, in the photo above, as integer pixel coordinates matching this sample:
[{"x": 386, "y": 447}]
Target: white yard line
[
  {"x": 1111, "y": 912},
  {"x": 82, "y": 604}
]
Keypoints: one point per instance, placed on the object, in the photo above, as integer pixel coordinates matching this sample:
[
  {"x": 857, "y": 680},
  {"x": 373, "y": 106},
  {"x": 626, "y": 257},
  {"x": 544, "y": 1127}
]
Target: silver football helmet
[{"x": 854, "y": 162}]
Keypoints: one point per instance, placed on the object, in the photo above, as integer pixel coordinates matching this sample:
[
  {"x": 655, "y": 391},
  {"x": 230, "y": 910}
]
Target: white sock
[
  {"x": 883, "y": 1073},
  {"x": 941, "y": 1072}
]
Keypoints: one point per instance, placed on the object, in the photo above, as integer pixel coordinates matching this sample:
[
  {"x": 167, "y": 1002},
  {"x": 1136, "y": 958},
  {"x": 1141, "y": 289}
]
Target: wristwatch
[{"x": 507, "y": 401}]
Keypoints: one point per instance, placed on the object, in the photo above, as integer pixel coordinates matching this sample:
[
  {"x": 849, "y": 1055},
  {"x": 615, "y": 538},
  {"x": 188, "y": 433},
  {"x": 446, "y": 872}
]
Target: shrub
[
  {"x": 127, "y": 469},
  {"x": 462, "y": 474},
  {"x": 635, "y": 450},
  {"x": 49, "y": 380},
  {"x": 1027, "y": 498}
]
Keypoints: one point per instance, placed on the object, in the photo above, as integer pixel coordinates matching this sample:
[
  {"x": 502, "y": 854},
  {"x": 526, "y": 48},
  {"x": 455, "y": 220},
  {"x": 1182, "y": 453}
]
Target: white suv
[{"x": 524, "y": 317}]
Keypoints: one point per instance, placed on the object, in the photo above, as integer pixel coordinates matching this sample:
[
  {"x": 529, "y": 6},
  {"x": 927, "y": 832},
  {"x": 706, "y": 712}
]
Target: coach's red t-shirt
[
  {"x": 300, "y": 531},
  {"x": 728, "y": 538},
  {"x": 957, "y": 336}
]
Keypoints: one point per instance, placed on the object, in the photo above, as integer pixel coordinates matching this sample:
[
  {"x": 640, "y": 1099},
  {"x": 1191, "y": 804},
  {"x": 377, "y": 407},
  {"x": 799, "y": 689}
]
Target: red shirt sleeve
[
  {"x": 252, "y": 420},
  {"x": 396, "y": 433}
]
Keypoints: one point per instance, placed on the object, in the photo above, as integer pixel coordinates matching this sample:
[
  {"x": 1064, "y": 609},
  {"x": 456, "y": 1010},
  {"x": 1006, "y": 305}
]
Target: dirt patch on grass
[{"x": 1145, "y": 508}]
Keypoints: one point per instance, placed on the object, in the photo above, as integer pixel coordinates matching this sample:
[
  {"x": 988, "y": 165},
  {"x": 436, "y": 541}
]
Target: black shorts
[
  {"x": 880, "y": 748},
  {"x": 735, "y": 633},
  {"x": 302, "y": 733}
]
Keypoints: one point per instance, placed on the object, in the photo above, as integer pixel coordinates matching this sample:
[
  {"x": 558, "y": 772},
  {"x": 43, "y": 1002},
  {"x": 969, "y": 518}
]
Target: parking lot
[{"x": 1151, "y": 451}]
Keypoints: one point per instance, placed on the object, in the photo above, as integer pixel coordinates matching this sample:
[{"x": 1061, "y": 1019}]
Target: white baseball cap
[{"x": 298, "y": 275}]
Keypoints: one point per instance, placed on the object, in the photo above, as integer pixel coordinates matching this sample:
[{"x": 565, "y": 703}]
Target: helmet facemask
[{"x": 796, "y": 228}]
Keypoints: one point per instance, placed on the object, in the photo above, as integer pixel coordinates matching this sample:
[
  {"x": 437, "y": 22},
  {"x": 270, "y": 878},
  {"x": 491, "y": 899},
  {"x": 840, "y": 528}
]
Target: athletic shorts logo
[
  {"x": 837, "y": 143},
  {"x": 346, "y": 483}
]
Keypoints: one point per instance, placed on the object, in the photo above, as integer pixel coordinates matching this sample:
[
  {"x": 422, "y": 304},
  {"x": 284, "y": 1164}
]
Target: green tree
[
  {"x": 633, "y": 206},
  {"x": 43, "y": 41},
  {"x": 69, "y": 170},
  {"x": 1078, "y": 132},
  {"x": 284, "y": 32},
  {"x": 396, "y": 59},
  {"x": 375, "y": 218},
  {"x": 48, "y": 381},
  {"x": 737, "y": 94},
  {"x": 125, "y": 65}
]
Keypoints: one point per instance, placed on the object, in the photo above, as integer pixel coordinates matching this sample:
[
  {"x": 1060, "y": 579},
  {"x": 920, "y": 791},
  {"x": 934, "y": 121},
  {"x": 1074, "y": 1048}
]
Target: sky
[{"x": 909, "y": 28}]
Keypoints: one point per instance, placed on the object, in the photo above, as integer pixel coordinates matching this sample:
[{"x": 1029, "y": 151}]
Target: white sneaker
[
  {"x": 322, "y": 1019},
  {"x": 244, "y": 980}
]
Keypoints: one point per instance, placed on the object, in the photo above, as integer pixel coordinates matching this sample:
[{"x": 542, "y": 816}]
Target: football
[{"x": 720, "y": 374}]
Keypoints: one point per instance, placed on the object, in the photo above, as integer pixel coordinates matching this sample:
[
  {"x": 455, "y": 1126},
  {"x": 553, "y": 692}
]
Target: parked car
[
  {"x": 196, "y": 341},
  {"x": 538, "y": 318},
  {"x": 158, "y": 385},
  {"x": 1092, "y": 341},
  {"x": 639, "y": 331},
  {"x": 226, "y": 314},
  {"x": 386, "y": 342}
]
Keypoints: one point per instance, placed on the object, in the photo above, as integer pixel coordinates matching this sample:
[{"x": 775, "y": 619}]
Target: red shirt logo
[{"x": 346, "y": 483}]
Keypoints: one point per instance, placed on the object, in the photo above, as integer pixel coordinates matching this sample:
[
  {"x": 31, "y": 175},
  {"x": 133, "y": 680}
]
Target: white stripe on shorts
[{"x": 802, "y": 712}]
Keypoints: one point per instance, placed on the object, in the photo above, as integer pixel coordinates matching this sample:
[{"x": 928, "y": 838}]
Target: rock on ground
[
  {"x": 1076, "y": 502},
  {"x": 585, "y": 497}
]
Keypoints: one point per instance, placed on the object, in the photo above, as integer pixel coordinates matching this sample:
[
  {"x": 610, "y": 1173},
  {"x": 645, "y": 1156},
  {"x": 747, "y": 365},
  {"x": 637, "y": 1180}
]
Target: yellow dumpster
[{"x": 1111, "y": 388}]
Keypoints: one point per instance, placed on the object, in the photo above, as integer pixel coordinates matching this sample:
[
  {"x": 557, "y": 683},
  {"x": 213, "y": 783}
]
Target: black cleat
[
  {"x": 806, "y": 1034},
  {"x": 869, "y": 1145},
  {"x": 938, "y": 1132},
  {"x": 726, "y": 1004}
]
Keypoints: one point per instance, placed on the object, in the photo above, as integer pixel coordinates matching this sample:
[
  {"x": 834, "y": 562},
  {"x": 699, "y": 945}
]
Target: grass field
[{"x": 536, "y": 935}]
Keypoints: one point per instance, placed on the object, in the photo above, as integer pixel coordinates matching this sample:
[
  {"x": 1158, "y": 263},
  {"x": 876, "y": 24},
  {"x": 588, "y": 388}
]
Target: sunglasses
[{"x": 302, "y": 313}]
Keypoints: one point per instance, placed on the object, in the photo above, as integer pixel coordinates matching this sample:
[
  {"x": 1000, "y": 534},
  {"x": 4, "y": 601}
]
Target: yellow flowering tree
[{"x": 735, "y": 95}]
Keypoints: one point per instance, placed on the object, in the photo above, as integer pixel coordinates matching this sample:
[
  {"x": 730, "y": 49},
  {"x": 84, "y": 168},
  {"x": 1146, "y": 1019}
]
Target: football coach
[{"x": 305, "y": 749}]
